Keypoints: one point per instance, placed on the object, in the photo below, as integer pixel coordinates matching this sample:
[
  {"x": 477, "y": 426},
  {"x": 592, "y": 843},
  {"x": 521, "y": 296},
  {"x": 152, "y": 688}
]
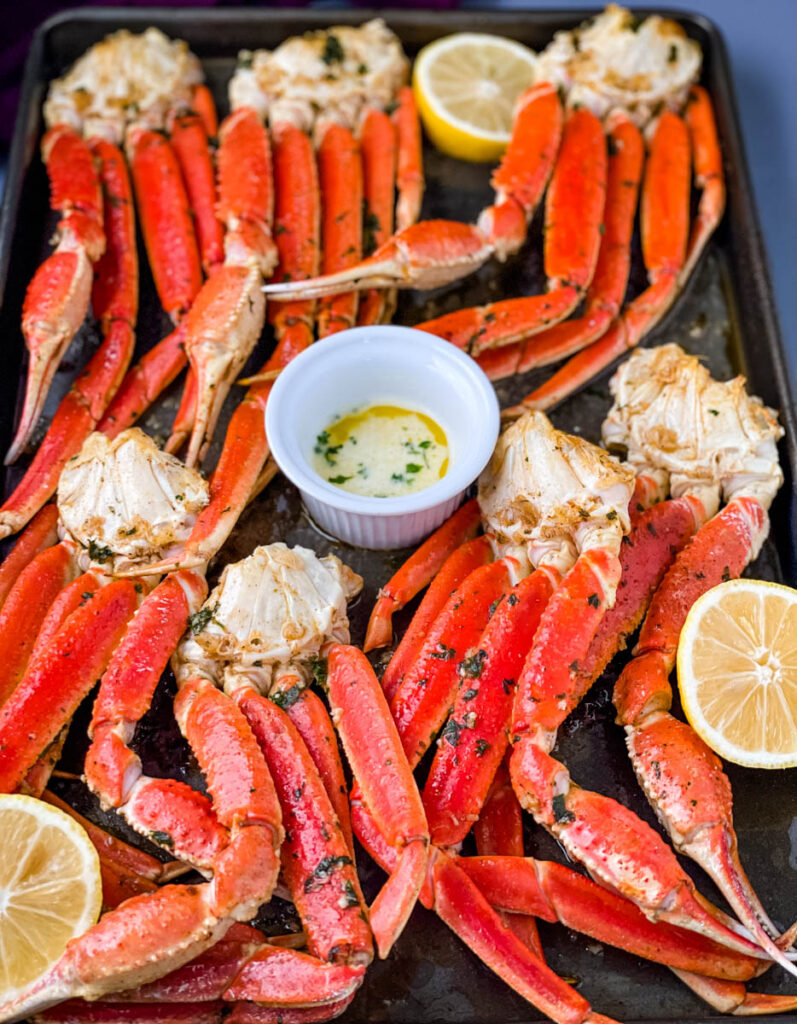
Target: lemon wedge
[
  {"x": 50, "y": 889},
  {"x": 466, "y": 86},
  {"x": 737, "y": 672}
]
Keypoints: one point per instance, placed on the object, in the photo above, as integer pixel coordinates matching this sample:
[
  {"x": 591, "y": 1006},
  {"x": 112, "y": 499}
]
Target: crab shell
[
  {"x": 615, "y": 61},
  {"x": 548, "y": 495},
  {"x": 127, "y": 77},
  {"x": 338, "y": 71},
  {"x": 711, "y": 436},
  {"x": 126, "y": 502},
  {"x": 276, "y": 609}
]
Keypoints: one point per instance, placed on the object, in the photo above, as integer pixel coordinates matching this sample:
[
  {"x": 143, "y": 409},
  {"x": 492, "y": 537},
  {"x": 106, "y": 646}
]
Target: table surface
[{"x": 760, "y": 38}]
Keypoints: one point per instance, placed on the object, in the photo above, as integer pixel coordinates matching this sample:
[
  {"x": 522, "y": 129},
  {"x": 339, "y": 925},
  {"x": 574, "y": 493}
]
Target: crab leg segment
[
  {"x": 25, "y": 610},
  {"x": 418, "y": 571},
  {"x": 554, "y": 892},
  {"x": 57, "y": 298},
  {"x": 190, "y": 143},
  {"x": 665, "y": 230},
  {"x": 456, "y": 568},
  {"x": 733, "y": 997},
  {"x": 682, "y": 778},
  {"x": 465, "y": 910},
  {"x": 40, "y": 534},
  {"x": 115, "y": 302},
  {"x": 316, "y": 861},
  {"x": 378, "y": 148},
  {"x": 409, "y": 172},
  {"x": 48, "y": 696},
  {"x": 607, "y": 290},
  {"x": 437, "y": 252},
  {"x": 375, "y": 753},
  {"x": 166, "y": 221},
  {"x": 245, "y": 447},
  {"x": 340, "y": 176},
  {"x": 499, "y": 831},
  {"x": 709, "y": 176},
  {"x": 474, "y": 740}
]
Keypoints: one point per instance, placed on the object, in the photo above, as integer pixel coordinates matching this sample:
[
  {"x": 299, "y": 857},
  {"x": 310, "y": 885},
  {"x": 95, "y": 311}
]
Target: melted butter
[{"x": 384, "y": 451}]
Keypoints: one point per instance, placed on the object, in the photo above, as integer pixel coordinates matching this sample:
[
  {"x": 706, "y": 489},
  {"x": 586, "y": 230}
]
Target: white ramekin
[{"x": 368, "y": 365}]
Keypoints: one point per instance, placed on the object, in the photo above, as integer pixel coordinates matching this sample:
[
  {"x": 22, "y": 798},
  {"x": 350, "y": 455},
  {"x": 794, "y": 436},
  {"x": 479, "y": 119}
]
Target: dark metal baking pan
[{"x": 726, "y": 314}]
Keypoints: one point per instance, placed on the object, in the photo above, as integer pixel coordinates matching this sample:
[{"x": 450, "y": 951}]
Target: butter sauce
[{"x": 383, "y": 451}]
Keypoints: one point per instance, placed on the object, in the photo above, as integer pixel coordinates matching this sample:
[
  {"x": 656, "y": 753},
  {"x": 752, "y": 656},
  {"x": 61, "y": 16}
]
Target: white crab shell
[
  {"x": 274, "y": 610},
  {"x": 710, "y": 436},
  {"x": 547, "y": 495},
  {"x": 126, "y": 78},
  {"x": 334, "y": 73},
  {"x": 614, "y": 62},
  {"x": 129, "y": 497}
]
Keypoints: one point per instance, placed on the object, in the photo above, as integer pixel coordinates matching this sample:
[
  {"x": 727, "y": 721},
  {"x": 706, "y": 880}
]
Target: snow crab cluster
[{"x": 578, "y": 548}]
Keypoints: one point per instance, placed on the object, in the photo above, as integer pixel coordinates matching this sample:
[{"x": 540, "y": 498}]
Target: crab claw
[{"x": 426, "y": 255}]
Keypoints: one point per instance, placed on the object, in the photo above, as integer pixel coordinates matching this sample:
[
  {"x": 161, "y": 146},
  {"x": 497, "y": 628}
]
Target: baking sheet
[{"x": 726, "y": 314}]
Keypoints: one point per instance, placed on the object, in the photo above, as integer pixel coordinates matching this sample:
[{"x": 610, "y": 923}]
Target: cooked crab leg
[
  {"x": 165, "y": 219},
  {"x": 245, "y": 447},
  {"x": 57, "y": 298},
  {"x": 409, "y": 172},
  {"x": 225, "y": 321},
  {"x": 499, "y": 832},
  {"x": 40, "y": 534},
  {"x": 115, "y": 302},
  {"x": 670, "y": 261},
  {"x": 340, "y": 178},
  {"x": 378, "y": 144},
  {"x": 605, "y": 295},
  {"x": 190, "y": 142},
  {"x": 418, "y": 571},
  {"x": 433, "y": 253},
  {"x": 376, "y": 755}
]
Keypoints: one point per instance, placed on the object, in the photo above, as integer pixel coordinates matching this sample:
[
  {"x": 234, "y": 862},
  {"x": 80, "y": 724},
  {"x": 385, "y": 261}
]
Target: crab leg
[
  {"x": 437, "y": 252},
  {"x": 418, "y": 571},
  {"x": 474, "y": 740},
  {"x": 190, "y": 143},
  {"x": 115, "y": 301},
  {"x": 40, "y": 534},
  {"x": 499, "y": 831},
  {"x": 166, "y": 221},
  {"x": 456, "y": 568},
  {"x": 681, "y": 777},
  {"x": 204, "y": 104},
  {"x": 409, "y": 171},
  {"x": 340, "y": 176},
  {"x": 375, "y": 753},
  {"x": 606, "y": 292},
  {"x": 47, "y": 697},
  {"x": 554, "y": 892},
  {"x": 709, "y": 176},
  {"x": 378, "y": 143},
  {"x": 57, "y": 298},
  {"x": 245, "y": 447},
  {"x": 665, "y": 228},
  {"x": 316, "y": 864},
  {"x": 225, "y": 321}
]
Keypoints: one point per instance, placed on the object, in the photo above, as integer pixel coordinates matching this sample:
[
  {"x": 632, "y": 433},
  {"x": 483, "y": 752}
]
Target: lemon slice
[
  {"x": 466, "y": 86},
  {"x": 737, "y": 672},
  {"x": 50, "y": 889}
]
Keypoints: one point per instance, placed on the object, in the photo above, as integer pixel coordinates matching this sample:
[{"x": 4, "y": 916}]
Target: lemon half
[
  {"x": 737, "y": 672},
  {"x": 50, "y": 888},
  {"x": 466, "y": 86}
]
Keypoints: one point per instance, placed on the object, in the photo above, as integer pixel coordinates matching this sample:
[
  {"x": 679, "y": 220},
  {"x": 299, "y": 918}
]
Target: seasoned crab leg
[
  {"x": 190, "y": 142},
  {"x": 225, "y": 320},
  {"x": 245, "y": 449},
  {"x": 605, "y": 295},
  {"x": 40, "y": 534},
  {"x": 57, "y": 298},
  {"x": 378, "y": 144},
  {"x": 409, "y": 171},
  {"x": 340, "y": 178},
  {"x": 434, "y": 253},
  {"x": 665, "y": 211},
  {"x": 115, "y": 303}
]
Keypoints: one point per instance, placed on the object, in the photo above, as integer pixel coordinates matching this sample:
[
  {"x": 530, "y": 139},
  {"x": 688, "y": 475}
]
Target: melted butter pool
[{"x": 384, "y": 451}]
